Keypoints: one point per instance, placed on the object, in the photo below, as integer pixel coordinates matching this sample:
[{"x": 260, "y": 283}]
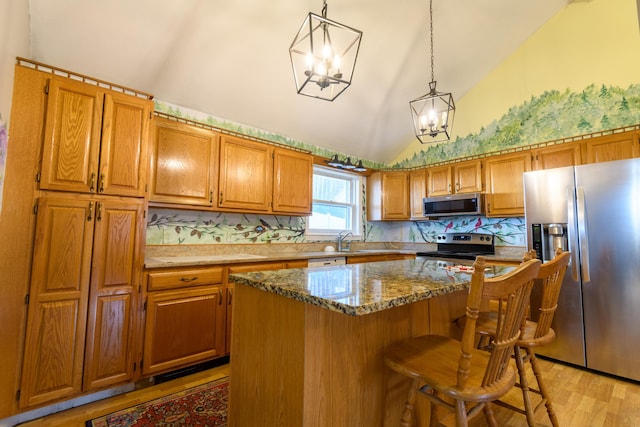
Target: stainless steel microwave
[{"x": 456, "y": 204}]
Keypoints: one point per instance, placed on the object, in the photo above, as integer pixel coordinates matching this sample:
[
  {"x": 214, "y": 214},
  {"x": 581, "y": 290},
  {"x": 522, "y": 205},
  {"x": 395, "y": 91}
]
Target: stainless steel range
[{"x": 462, "y": 246}]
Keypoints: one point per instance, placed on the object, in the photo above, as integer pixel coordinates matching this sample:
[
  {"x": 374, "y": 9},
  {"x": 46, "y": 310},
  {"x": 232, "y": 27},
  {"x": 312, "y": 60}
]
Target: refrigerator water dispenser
[{"x": 547, "y": 238}]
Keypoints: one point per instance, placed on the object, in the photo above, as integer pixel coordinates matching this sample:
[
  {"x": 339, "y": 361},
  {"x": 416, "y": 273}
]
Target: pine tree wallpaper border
[{"x": 550, "y": 116}]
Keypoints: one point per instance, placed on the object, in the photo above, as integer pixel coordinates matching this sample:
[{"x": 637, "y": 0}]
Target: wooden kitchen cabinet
[
  {"x": 246, "y": 175},
  {"x": 556, "y": 156},
  {"x": 388, "y": 196},
  {"x": 85, "y": 272},
  {"x": 95, "y": 140},
  {"x": 439, "y": 181},
  {"x": 463, "y": 177},
  {"x": 292, "y": 181},
  {"x": 194, "y": 166},
  {"x": 505, "y": 190},
  {"x": 184, "y": 325},
  {"x": 467, "y": 177},
  {"x": 417, "y": 191},
  {"x": 612, "y": 147},
  {"x": 184, "y": 164}
]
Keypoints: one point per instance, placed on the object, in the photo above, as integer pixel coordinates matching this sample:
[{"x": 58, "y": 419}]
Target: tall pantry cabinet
[{"x": 89, "y": 237}]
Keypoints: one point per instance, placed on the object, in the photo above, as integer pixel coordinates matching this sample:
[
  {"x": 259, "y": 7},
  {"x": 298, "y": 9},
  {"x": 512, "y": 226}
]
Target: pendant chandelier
[
  {"x": 433, "y": 113},
  {"x": 323, "y": 55}
]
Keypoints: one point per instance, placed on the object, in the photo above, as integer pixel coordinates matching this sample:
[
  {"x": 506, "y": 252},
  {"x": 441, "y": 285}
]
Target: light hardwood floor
[{"x": 581, "y": 398}]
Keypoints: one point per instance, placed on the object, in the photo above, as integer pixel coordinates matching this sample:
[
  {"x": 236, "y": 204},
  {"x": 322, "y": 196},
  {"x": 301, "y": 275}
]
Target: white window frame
[{"x": 355, "y": 201}]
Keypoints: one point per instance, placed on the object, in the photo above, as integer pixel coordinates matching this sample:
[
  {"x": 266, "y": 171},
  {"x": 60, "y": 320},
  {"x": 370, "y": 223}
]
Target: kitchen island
[{"x": 307, "y": 344}]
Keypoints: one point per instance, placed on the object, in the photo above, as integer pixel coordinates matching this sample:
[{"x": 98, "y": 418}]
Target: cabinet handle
[
  {"x": 188, "y": 279},
  {"x": 90, "y": 216},
  {"x": 101, "y": 189},
  {"x": 92, "y": 182},
  {"x": 230, "y": 296},
  {"x": 220, "y": 293},
  {"x": 457, "y": 186},
  {"x": 221, "y": 198},
  {"x": 449, "y": 188},
  {"x": 210, "y": 196},
  {"x": 99, "y": 211}
]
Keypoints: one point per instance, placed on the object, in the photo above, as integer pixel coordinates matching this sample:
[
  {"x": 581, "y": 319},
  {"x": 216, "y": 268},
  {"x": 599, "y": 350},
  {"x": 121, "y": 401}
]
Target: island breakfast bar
[{"x": 307, "y": 344}]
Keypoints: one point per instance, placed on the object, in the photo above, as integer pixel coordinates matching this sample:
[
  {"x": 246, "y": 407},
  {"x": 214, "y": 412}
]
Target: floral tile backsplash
[{"x": 177, "y": 227}]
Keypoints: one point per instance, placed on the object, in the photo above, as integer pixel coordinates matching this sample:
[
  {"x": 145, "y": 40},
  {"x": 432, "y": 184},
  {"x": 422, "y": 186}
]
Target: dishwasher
[{"x": 322, "y": 262}]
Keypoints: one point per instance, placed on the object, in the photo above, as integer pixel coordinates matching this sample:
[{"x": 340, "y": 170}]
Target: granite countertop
[
  {"x": 167, "y": 261},
  {"x": 236, "y": 258},
  {"x": 358, "y": 289}
]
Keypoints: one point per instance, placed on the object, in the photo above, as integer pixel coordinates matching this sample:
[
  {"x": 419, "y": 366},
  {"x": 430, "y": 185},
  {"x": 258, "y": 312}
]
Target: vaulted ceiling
[{"x": 230, "y": 59}]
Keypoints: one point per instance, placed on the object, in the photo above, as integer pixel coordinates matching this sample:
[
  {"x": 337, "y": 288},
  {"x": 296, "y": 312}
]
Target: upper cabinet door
[
  {"x": 505, "y": 189},
  {"x": 124, "y": 146},
  {"x": 417, "y": 191},
  {"x": 184, "y": 164},
  {"x": 439, "y": 181},
  {"x": 292, "y": 181},
  {"x": 95, "y": 140},
  {"x": 612, "y": 147},
  {"x": 395, "y": 195},
  {"x": 246, "y": 179},
  {"x": 556, "y": 156},
  {"x": 468, "y": 177},
  {"x": 72, "y": 136}
]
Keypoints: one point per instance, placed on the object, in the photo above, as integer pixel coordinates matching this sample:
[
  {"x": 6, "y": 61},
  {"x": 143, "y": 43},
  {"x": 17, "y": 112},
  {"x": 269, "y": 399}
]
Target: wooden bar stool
[
  {"x": 454, "y": 374},
  {"x": 534, "y": 334}
]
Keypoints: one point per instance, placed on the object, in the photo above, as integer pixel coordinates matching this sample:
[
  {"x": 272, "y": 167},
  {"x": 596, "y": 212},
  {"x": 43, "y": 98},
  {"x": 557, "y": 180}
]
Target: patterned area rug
[{"x": 201, "y": 406}]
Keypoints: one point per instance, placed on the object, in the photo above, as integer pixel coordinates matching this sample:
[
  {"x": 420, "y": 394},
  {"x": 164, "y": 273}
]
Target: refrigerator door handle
[
  {"x": 582, "y": 232},
  {"x": 572, "y": 233}
]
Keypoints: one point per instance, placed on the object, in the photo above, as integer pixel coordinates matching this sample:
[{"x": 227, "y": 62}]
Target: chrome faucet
[{"x": 341, "y": 238}]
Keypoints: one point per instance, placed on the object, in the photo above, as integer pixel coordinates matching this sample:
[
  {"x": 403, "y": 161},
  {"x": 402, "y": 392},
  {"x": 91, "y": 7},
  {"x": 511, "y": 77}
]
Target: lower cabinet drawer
[
  {"x": 159, "y": 280},
  {"x": 183, "y": 327}
]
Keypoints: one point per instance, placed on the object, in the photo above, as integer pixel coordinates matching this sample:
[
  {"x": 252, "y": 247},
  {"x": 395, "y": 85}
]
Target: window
[{"x": 336, "y": 203}]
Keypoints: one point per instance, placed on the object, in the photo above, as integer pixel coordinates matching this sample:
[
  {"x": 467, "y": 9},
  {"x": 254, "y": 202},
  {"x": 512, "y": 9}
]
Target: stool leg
[
  {"x": 524, "y": 385},
  {"x": 543, "y": 389},
  {"x": 461, "y": 414},
  {"x": 407, "y": 419},
  {"x": 489, "y": 415}
]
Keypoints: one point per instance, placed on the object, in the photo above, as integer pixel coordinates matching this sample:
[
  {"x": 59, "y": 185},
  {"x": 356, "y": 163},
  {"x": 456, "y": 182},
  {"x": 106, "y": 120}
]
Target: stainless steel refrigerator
[{"x": 594, "y": 211}]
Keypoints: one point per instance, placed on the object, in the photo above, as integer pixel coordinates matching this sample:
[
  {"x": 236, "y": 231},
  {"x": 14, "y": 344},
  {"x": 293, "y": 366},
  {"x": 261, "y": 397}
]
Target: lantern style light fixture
[
  {"x": 323, "y": 55},
  {"x": 433, "y": 113}
]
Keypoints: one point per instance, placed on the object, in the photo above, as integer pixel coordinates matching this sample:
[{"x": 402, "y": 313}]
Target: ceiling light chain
[
  {"x": 433, "y": 113},
  {"x": 433, "y": 78}
]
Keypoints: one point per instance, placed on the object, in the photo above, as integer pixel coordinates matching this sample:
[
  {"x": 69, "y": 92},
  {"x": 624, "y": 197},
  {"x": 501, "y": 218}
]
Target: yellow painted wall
[
  {"x": 589, "y": 42},
  {"x": 14, "y": 41}
]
